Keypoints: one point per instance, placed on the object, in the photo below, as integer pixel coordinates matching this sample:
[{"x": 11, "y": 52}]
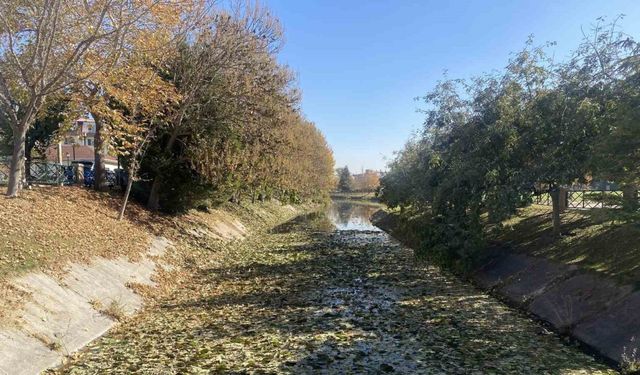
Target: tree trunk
[
  {"x": 16, "y": 174},
  {"x": 557, "y": 209},
  {"x": 99, "y": 169},
  {"x": 630, "y": 197},
  {"x": 126, "y": 194},
  {"x": 153, "y": 203}
]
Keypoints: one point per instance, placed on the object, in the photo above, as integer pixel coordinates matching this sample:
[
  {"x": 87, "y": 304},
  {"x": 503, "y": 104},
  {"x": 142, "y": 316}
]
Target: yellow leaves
[{"x": 135, "y": 97}]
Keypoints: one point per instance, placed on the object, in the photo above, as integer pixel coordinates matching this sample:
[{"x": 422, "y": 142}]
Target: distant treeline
[
  {"x": 491, "y": 142},
  {"x": 188, "y": 95},
  {"x": 367, "y": 181}
]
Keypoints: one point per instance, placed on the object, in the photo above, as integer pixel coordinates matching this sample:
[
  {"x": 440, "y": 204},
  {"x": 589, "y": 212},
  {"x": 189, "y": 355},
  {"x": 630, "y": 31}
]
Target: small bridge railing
[{"x": 595, "y": 199}]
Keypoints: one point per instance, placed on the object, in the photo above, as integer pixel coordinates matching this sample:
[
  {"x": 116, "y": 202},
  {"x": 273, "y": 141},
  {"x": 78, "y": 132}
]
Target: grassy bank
[
  {"x": 369, "y": 198},
  {"x": 600, "y": 240},
  {"x": 48, "y": 227}
]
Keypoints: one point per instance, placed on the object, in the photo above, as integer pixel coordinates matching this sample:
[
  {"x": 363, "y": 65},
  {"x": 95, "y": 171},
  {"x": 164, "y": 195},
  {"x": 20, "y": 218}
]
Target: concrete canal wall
[{"x": 595, "y": 310}]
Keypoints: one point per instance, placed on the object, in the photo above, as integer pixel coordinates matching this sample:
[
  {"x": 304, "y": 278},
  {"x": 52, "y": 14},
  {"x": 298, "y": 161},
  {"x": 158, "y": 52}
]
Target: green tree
[
  {"x": 47, "y": 128},
  {"x": 345, "y": 180},
  {"x": 236, "y": 131},
  {"x": 489, "y": 142}
]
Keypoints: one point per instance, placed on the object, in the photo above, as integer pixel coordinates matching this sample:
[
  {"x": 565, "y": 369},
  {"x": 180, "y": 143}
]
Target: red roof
[{"x": 82, "y": 153}]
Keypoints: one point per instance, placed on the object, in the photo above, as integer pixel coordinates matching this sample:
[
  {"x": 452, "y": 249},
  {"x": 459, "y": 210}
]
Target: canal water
[{"x": 352, "y": 216}]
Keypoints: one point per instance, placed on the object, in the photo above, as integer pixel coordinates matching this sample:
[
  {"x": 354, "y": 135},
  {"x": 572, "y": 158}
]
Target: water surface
[{"x": 352, "y": 216}]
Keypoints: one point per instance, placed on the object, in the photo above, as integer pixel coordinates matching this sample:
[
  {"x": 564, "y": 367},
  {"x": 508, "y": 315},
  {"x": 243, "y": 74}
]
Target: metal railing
[
  {"x": 46, "y": 173},
  {"x": 43, "y": 173},
  {"x": 585, "y": 199},
  {"x": 542, "y": 199},
  {"x": 595, "y": 199}
]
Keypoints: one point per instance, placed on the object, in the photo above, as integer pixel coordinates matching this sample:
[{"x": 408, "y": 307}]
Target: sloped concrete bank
[
  {"x": 61, "y": 315},
  {"x": 602, "y": 315}
]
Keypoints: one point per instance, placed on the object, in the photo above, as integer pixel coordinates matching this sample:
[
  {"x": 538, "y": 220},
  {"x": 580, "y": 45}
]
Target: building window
[{"x": 89, "y": 141}]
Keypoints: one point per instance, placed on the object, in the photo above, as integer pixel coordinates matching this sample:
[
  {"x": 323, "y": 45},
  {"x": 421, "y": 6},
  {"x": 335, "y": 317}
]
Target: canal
[{"x": 328, "y": 293}]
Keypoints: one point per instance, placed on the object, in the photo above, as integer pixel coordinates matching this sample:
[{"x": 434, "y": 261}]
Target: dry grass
[
  {"x": 47, "y": 229},
  {"x": 51, "y": 344},
  {"x": 115, "y": 311}
]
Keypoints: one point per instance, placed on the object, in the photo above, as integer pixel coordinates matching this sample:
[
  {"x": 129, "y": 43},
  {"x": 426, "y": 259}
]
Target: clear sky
[{"x": 361, "y": 63}]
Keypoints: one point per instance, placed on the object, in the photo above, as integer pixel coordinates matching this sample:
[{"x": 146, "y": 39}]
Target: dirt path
[{"x": 301, "y": 300}]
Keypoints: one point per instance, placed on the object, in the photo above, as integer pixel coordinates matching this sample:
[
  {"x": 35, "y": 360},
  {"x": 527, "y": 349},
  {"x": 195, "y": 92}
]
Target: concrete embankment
[
  {"x": 60, "y": 314},
  {"x": 588, "y": 307}
]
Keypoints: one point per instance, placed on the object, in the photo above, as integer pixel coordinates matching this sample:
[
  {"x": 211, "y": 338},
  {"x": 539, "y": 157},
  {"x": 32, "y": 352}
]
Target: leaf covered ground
[
  {"x": 45, "y": 228},
  {"x": 301, "y": 300}
]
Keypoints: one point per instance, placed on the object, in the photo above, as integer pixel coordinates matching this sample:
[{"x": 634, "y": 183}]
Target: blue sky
[{"x": 361, "y": 63}]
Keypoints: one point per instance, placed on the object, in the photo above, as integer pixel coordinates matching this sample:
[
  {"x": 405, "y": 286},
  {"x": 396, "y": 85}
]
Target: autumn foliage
[{"x": 188, "y": 95}]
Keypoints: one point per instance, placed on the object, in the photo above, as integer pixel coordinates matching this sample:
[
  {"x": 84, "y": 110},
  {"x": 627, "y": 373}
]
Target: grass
[
  {"x": 115, "y": 311},
  {"x": 630, "y": 361},
  {"x": 51, "y": 344},
  {"x": 55, "y": 346},
  {"x": 601, "y": 240},
  {"x": 47, "y": 229}
]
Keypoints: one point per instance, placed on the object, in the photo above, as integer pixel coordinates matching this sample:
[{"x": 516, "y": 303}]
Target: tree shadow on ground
[{"x": 599, "y": 239}]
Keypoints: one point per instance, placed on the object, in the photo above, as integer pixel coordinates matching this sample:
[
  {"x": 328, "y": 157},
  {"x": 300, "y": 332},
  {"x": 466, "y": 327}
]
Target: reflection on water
[
  {"x": 352, "y": 216},
  {"x": 339, "y": 215},
  {"x": 316, "y": 220}
]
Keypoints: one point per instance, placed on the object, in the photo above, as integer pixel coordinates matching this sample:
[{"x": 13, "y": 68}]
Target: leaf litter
[{"x": 304, "y": 300}]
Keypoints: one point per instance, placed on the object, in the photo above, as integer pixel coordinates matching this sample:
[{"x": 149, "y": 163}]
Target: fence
[
  {"x": 542, "y": 199},
  {"x": 42, "y": 173},
  {"x": 4, "y": 172},
  {"x": 45, "y": 173},
  {"x": 584, "y": 199}
]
